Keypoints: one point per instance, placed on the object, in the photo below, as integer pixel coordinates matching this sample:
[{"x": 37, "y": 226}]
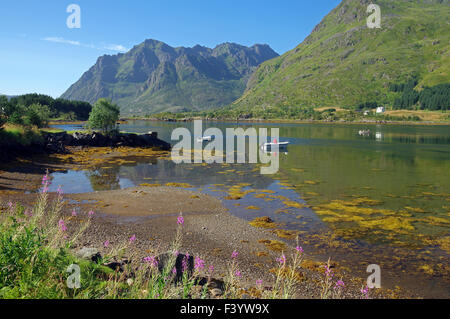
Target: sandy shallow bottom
[{"x": 150, "y": 213}]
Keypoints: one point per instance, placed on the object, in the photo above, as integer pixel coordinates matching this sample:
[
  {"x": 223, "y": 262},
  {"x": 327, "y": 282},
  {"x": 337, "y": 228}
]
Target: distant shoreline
[{"x": 290, "y": 121}]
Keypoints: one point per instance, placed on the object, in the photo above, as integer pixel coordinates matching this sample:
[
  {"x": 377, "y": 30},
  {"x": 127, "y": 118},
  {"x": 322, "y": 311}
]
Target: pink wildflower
[
  {"x": 152, "y": 261},
  {"x": 180, "y": 220},
  {"x": 133, "y": 239},
  {"x": 234, "y": 254},
  {"x": 62, "y": 225},
  {"x": 328, "y": 272},
  {"x": 199, "y": 263},
  {"x": 365, "y": 292},
  {"x": 282, "y": 259},
  {"x": 184, "y": 263},
  {"x": 340, "y": 284}
]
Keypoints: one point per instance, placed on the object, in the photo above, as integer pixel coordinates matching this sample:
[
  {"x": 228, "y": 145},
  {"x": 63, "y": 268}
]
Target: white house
[{"x": 380, "y": 110}]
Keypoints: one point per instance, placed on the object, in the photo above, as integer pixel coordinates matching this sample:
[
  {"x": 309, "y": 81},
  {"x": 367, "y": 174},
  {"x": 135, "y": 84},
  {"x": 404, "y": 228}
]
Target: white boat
[
  {"x": 205, "y": 138},
  {"x": 364, "y": 132},
  {"x": 274, "y": 144}
]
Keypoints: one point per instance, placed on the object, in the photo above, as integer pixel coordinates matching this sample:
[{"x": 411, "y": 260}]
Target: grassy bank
[{"x": 13, "y": 134}]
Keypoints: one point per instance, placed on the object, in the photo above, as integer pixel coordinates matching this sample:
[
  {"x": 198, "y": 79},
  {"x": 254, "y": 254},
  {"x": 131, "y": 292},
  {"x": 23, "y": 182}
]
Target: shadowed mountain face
[
  {"x": 155, "y": 77},
  {"x": 345, "y": 63}
]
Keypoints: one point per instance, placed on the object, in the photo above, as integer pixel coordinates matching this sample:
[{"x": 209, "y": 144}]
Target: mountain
[
  {"x": 343, "y": 63},
  {"x": 154, "y": 77}
]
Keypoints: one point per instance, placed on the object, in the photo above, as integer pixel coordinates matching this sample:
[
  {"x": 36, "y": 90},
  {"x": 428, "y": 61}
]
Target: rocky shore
[{"x": 57, "y": 142}]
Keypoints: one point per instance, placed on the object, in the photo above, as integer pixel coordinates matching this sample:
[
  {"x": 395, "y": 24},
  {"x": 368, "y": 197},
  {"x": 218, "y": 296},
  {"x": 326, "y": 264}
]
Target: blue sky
[{"x": 39, "y": 53}]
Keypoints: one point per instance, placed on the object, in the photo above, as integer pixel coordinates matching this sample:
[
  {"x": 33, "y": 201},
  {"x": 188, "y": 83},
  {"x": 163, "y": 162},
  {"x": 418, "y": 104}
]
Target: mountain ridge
[{"x": 154, "y": 76}]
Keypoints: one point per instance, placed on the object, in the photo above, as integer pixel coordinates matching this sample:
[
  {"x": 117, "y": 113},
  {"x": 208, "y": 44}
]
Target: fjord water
[{"x": 377, "y": 199}]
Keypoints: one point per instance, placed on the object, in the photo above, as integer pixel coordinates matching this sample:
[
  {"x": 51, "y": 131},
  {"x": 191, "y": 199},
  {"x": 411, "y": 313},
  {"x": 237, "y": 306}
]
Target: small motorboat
[
  {"x": 364, "y": 132},
  {"x": 205, "y": 138},
  {"x": 274, "y": 144}
]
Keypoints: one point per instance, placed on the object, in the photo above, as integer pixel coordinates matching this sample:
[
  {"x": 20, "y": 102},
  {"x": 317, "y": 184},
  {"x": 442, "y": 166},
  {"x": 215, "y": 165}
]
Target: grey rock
[{"x": 92, "y": 254}]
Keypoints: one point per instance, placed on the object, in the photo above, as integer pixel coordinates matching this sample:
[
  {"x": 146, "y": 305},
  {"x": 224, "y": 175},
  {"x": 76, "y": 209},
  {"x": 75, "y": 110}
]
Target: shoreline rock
[
  {"x": 56, "y": 142},
  {"x": 52, "y": 143}
]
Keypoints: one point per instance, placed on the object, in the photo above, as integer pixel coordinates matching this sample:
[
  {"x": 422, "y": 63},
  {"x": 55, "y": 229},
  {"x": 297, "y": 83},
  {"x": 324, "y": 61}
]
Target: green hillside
[{"x": 343, "y": 63}]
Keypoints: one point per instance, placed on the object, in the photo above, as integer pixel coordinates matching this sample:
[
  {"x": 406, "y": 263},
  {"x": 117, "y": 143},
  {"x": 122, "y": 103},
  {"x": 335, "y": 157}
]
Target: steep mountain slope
[
  {"x": 343, "y": 63},
  {"x": 154, "y": 77}
]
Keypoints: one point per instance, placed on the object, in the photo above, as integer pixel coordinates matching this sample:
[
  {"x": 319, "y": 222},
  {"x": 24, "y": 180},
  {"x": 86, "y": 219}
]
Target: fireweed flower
[
  {"x": 151, "y": 260},
  {"x": 180, "y": 220},
  {"x": 74, "y": 213},
  {"x": 174, "y": 271},
  {"x": 365, "y": 292},
  {"x": 234, "y": 254},
  {"x": 199, "y": 263},
  {"x": 238, "y": 273},
  {"x": 106, "y": 243},
  {"x": 45, "y": 179},
  {"x": 184, "y": 263},
  {"x": 340, "y": 284},
  {"x": 259, "y": 282},
  {"x": 282, "y": 259},
  {"x": 91, "y": 213},
  {"x": 133, "y": 239},
  {"x": 46, "y": 183},
  {"x": 299, "y": 249},
  {"x": 328, "y": 272},
  {"x": 62, "y": 225}
]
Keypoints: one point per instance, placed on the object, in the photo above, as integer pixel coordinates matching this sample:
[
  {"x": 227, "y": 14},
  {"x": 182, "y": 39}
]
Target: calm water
[{"x": 382, "y": 198}]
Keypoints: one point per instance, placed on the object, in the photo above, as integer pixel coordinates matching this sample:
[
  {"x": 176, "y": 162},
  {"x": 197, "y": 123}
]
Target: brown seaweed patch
[
  {"x": 293, "y": 204},
  {"x": 150, "y": 185},
  {"x": 288, "y": 234},
  {"x": 182, "y": 185},
  {"x": 274, "y": 245},
  {"x": 288, "y": 272},
  {"x": 263, "y": 222},
  {"x": 261, "y": 254}
]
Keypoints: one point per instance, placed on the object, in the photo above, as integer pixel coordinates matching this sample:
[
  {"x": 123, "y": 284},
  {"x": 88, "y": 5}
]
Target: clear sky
[{"x": 39, "y": 53}]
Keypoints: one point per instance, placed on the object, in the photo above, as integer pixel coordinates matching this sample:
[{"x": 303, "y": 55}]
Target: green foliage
[
  {"x": 37, "y": 115},
  {"x": 104, "y": 116},
  {"x": 19, "y": 135},
  {"x": 16, "y": 118},
  {"x": 430, "y": 98},
  {"x": 57, "y": 107},
  {"x": 343, "y": 63}
]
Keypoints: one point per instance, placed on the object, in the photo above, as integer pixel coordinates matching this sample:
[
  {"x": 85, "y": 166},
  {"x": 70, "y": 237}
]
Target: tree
[
  {"x": 104, "y": 116},
  {"x": 37, "y": 114}
]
